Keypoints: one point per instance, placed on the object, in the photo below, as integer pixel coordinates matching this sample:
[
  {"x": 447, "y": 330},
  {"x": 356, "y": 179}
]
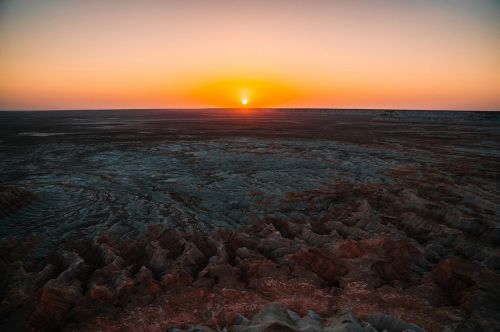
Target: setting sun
[{"x": 241, "y": 90}]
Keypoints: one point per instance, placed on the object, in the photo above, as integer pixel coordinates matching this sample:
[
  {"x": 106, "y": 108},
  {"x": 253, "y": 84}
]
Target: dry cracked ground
[{"x": 249, "y": 220}]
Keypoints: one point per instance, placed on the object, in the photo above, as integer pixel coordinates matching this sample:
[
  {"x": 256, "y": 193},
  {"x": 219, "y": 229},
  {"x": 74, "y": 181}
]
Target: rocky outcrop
[
  {"x": 405, "y": 262},
  {"x": 213, "y": 280},
  {"x": 274, "y": 317},
  {"x": 388, "y": 255},
  {"x": 320, "y": 263},
  {"x": 474, "y": 289},
  {"x": 349, "y": 249},
  {"x": 55, "y": 300}
]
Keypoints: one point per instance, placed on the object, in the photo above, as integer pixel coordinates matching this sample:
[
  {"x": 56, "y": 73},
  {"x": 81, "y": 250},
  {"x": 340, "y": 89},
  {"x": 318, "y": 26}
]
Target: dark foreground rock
[
  {"x": 168, "y": 279},
  {"x": 274, "y": 317}
]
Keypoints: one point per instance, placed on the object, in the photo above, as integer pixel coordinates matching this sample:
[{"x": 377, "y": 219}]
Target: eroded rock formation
[{"x": 169, "y": 279}]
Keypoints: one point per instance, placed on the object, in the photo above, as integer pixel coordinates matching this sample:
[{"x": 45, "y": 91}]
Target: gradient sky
[{"x": 426, "y": 54}]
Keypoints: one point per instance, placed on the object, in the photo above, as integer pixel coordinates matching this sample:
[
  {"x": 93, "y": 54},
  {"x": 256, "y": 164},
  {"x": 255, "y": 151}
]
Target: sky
[{"x": 94, "y": 54}]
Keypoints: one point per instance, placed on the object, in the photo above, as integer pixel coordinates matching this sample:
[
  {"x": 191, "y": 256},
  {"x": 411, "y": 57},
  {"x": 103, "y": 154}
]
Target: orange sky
[{"x": 59, "y": 54}]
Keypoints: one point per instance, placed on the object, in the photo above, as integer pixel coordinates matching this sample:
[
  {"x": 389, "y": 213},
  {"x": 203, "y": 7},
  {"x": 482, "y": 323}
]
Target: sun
[{"x": 244, "y": 101}]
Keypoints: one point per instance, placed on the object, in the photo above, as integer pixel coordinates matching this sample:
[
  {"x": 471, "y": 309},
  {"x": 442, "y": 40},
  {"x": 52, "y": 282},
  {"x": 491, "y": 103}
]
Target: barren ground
[{"x": 177, "y": 218}]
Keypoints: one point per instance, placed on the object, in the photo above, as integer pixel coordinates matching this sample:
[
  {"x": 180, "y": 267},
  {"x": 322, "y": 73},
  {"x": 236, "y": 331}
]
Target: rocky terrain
[{"x": 196, "y": 221}]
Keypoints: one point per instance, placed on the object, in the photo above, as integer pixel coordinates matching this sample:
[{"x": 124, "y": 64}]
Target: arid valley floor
[{"x": 199, "y": 219}]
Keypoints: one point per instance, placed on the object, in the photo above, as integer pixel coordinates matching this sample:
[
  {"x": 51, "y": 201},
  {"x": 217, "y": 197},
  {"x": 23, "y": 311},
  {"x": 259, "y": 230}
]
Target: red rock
[
  {"x": 404, "y": 262},
  {"x": 455, "y": 274},
  {"x": 55, "y": 300},
  {"x": 298, "y": 295},
  {"x": 274, "y": 243},
  {"x": 172, "y": 241},
  {"x": 158, "y": 260},
  {"x": 192, "y": 259},
  {"x": 210, "y": 279},
  {"x": 320, "y": 263},
  {"x": 243, "y": 253},
  {"x": 144, "y": 280},
  {"x": 314, "y": 239},
  {"x": 101, "y": 293},
  {"x": 175, "y": 279},
  {"x": 287, "y": 229},
  {"x": 475, "y": 289},
  {"x": 349, "y": 249},
  {"x": 261, "y": 268},
  {"x": 106, "y": 254},
  {"x": 154, "y": 288},
  {"x": 242, "y": 239},
  {"x": 22, "y": 285},
  {"x": 224, "y": 275}
]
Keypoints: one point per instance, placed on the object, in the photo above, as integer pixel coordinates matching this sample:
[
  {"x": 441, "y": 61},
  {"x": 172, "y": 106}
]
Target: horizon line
[{"x": 247, "y": 108}]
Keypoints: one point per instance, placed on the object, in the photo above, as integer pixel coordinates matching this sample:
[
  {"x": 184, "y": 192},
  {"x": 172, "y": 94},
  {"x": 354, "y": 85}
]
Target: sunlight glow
[{"x": 263, "y": 54}]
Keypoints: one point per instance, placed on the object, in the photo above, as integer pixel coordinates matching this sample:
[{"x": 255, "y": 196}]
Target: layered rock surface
[
  {"x": 176, "y": 220},
  {"x": 169, "y": 279},
  {"x": 274, "y": 317}
]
